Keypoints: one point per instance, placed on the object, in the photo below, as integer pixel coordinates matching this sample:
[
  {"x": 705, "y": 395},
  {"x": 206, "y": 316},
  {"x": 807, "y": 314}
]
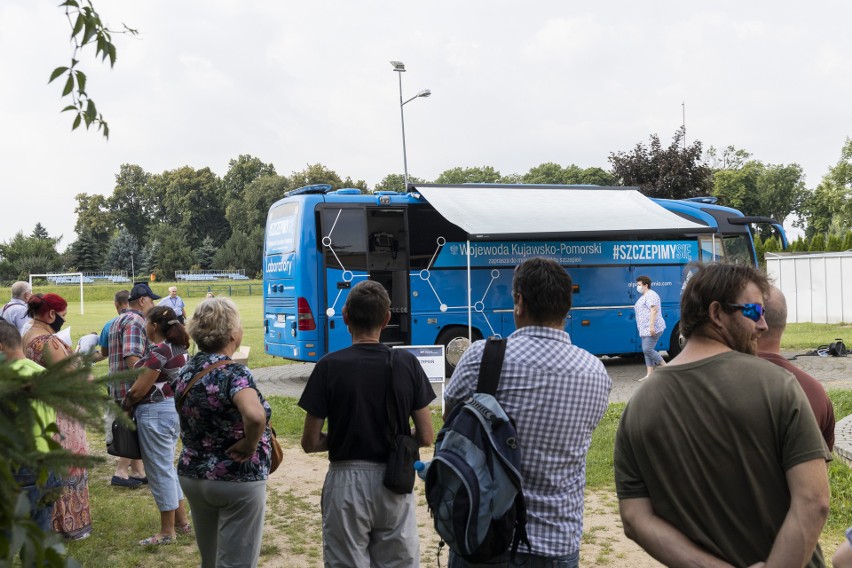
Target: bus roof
[{"x": 491, "y": 211}]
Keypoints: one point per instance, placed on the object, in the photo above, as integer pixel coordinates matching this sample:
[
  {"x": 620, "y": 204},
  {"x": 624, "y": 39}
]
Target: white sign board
[{"x": 431, "y": 358}]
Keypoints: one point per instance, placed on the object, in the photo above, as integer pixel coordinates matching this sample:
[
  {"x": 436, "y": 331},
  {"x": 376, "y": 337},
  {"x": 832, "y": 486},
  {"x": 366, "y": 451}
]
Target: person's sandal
[
  {"x": 185, "y": 529},
  {"x": 156, "y": 540}
]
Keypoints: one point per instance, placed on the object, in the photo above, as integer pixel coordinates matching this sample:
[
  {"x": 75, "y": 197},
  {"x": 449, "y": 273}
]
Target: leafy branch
[{"x": 86, "y": 29}]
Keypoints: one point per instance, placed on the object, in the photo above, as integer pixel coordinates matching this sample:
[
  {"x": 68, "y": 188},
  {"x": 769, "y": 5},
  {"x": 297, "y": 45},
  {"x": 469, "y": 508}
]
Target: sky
[{"x": 514, "y": 84}]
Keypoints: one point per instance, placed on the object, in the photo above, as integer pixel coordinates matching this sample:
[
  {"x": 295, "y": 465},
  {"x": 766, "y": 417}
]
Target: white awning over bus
[{"x": 535, "y": 212}]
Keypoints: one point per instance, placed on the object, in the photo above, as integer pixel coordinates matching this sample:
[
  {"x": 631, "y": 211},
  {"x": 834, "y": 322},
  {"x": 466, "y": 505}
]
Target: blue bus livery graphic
[{"x": 454, "y": 254}]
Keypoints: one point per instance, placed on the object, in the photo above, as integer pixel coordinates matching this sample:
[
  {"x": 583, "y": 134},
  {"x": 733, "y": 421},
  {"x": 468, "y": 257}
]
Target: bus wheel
[
  {"x": 455, "y": 342},
  {"x": 676, "y": 342}
]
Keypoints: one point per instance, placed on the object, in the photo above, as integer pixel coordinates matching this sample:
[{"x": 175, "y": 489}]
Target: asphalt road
[{"x": 289, "y": 379}]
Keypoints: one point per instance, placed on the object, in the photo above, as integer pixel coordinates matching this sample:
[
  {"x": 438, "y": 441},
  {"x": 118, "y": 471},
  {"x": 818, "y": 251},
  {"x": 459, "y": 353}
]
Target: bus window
[
  {"x": 737, "y": 250},
  {"x": 711, "y": 248},
  {"x": 281, "y": 229},
  {"x": 733, "y": 248},
  {"x": 346, "y": 230}
]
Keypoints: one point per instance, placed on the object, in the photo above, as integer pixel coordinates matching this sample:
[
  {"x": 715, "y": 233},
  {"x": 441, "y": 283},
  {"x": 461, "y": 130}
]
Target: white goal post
[{"x": 73, "y": 275}]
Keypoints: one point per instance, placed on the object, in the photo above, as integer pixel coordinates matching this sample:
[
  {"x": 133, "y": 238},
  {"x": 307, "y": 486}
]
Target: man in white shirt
[{"x": 174, "y": 302}]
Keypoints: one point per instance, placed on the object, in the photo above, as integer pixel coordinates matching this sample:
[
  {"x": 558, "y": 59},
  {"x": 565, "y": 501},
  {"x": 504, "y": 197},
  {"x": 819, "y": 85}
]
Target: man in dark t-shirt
[
  {"x": 769, "y": 348},
  {"x": 364, "y": 523},
  {"x": 718, "y": 457}
]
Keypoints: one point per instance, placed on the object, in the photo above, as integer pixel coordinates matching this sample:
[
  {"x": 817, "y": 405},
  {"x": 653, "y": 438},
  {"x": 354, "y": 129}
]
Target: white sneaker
[{"x": 644, "y": 378}]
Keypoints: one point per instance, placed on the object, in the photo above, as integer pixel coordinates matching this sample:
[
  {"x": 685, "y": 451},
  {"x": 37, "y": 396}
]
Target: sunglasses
[{"x": 752, "y": 311}]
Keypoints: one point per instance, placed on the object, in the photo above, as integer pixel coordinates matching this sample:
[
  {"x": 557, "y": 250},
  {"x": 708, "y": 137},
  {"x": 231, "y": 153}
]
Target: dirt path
[{"x": 293, "y": 539}]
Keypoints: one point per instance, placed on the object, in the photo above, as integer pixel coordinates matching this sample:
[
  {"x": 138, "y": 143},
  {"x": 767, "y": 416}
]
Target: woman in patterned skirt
[{"x": 71, "y": 514}]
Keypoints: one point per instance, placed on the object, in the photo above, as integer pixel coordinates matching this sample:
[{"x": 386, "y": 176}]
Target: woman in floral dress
[{"x": 71, "y": 514}]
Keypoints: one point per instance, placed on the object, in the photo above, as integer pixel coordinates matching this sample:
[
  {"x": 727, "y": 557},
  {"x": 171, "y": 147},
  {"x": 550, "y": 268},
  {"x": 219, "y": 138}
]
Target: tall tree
[
  {"x": 829, "y": 207},
  {"x": 316, "y": 174},
  {"x": 39, "y": 232},
  {"x": 193, "y": 203},
  {"x": 241, "y": 252},
  {"x": 396, "y": 182},
  {"x": 204, "y": 253},
  {"x": 134, "y": 204},
  {"x": 241, "y": 172},
  {"x": 23, "y": 255},
  {"x": 94, "y": 217},
  {"x": 173, "y": 253},
  {"x": 249, "y": 212},
  {"x": 86, "y": 253},
  {"x": 552, "y": 173},
  {"x": 458, "y": 176},
  {"x": 675, "y": 172},
  {"x": 122, "y": 252}
]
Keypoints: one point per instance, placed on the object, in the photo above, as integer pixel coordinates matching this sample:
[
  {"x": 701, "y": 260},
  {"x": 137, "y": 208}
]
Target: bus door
[
  {"x": 388, "y": 264},
  {"x": 343, "y": 242},
  {"x": 359, "y": 243}
]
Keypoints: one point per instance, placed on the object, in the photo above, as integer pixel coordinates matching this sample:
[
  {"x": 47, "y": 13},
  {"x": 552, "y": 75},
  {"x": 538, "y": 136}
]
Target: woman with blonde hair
[{"x": 225, "y": 460}]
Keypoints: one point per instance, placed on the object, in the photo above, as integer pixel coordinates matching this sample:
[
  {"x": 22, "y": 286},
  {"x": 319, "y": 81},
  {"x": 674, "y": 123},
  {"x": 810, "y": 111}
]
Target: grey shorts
[{"x": 363, "y": 523}]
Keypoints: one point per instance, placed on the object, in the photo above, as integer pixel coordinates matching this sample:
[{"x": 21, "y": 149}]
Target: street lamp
[{"x": 399, "y": 67}]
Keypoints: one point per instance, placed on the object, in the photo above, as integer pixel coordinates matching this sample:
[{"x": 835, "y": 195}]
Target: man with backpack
[{"x": 556, "y": 393}]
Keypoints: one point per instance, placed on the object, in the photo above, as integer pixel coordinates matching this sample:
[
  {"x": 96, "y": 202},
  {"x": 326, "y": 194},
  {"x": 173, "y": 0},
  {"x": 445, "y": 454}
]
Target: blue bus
[{"x": 445, "y": 254}]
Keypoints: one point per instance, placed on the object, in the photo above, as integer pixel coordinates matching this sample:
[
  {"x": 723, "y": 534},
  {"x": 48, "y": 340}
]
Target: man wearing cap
[
  {"x": 719, "y": 460},
  {"x": 127, "y": 344},
  {"x": 174, "y": 302},
  {"x": 15, "y": 312}
]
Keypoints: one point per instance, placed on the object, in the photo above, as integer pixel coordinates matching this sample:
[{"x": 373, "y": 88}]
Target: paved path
[{"x": 289, "y": 379}]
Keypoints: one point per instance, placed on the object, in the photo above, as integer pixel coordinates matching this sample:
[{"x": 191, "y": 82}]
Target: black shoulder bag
[{"x": 404, "y": 450}]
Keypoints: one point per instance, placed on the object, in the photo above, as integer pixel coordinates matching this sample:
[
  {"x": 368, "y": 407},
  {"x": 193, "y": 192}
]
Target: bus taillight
[{"x": 306, "y": 317}]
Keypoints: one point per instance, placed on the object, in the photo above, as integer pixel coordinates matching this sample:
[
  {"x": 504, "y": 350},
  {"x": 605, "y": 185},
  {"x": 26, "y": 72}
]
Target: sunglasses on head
[{"x": 752, "y": 311}]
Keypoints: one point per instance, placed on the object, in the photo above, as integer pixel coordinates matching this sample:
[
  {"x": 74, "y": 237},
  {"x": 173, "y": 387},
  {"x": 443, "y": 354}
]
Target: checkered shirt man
[
  {"x": 557, "y": 394},
  {"x": 126, "y": 339}
]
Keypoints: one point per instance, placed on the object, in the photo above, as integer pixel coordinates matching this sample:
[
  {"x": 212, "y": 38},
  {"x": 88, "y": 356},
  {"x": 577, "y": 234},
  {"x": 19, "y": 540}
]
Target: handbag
[
  {"x": 404, "y": 449},
  {"x": 125, "y": 439},
  {"x": 276, "y": 452}
]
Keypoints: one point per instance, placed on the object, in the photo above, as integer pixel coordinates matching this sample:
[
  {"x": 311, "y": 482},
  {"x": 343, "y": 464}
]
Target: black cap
[{"x": 140, "y": 290}]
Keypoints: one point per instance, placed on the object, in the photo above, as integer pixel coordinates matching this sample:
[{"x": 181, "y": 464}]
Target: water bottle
[{"x": 421, "y": 468}]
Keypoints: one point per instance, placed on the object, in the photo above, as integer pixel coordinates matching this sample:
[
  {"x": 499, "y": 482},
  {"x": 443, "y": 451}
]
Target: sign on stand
[{"x": 431, "y": 358}]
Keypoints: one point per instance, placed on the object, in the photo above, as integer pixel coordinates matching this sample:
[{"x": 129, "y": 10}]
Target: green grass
[{"x": 812, "y": 335}]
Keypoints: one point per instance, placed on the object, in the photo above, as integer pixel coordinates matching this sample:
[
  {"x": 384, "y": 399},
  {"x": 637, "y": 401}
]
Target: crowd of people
[
  {"x": 720, "y": 456},
  {"x": 207, "y": 402}
]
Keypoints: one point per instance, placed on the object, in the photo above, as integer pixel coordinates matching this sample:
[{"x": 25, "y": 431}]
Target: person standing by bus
[{"x": 649, "y": 320}]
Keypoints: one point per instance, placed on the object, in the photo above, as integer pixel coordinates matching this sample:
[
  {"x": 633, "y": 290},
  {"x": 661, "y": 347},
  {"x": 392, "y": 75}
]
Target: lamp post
[
  {"x": 399, "y": 67},
  {"x": 132, "y": 269}
]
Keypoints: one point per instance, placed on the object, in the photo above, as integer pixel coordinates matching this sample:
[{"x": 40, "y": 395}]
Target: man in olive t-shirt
[{"x": 718, "y": 457}]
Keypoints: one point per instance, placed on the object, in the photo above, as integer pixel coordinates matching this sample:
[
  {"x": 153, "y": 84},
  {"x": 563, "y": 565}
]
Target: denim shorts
[{"x": 159, "y": 430}]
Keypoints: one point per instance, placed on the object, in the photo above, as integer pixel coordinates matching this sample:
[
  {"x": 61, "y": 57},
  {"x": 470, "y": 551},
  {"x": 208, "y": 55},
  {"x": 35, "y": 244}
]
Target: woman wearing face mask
[
  {"x": 649, "y": 320},
  {"x": 71, "y": 514}
]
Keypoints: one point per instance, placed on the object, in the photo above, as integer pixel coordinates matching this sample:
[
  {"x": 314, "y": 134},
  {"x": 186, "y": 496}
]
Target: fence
[
  {"x": 818, "y": 286},
  {"x": 88, "y": 278},
  {"x": 210, "y": 275},
  {"x": 225, "y": 289}
]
